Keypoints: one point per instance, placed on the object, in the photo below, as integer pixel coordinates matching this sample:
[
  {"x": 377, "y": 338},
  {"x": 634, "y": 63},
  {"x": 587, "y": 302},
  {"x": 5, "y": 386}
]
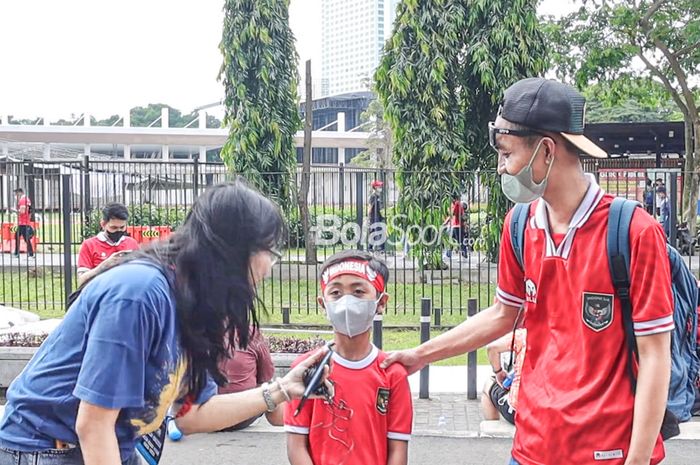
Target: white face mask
[
  {"x": 520, "y": 188},
  {"x": 351, "y": 315}
]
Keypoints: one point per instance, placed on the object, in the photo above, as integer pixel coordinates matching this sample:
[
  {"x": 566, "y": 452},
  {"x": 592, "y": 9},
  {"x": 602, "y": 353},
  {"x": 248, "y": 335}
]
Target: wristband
[{"x": 498, "y": 371}]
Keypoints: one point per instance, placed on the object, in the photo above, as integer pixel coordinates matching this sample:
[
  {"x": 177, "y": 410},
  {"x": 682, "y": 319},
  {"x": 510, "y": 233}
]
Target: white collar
[
  {"x": 583, "y": 212},
  {"x": 357, "y": 364}
]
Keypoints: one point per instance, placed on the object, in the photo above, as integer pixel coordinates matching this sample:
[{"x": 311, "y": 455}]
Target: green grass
[{"x": 42, "y": 295}]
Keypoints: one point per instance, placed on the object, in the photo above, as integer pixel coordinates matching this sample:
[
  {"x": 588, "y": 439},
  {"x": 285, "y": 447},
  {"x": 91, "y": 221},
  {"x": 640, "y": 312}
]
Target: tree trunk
[
  {"x": 309, "y": 237},
  {"x": 690, "y": 191}
]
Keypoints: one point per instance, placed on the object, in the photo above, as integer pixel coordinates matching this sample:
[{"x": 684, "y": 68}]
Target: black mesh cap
[{"x": 544, "y": 104}]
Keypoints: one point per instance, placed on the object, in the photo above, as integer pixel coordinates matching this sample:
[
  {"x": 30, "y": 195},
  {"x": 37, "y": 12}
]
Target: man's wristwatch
[{"x": 267, "y": 396}]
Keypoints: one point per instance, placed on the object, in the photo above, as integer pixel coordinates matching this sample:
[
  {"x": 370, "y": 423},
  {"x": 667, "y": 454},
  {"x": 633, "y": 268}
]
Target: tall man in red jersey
[
  {"x": 108, "y": 245},
  {"x": 578, "y": 406}
]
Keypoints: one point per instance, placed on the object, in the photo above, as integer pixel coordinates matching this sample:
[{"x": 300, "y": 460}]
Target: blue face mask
[{"x": 520, "y": 188}]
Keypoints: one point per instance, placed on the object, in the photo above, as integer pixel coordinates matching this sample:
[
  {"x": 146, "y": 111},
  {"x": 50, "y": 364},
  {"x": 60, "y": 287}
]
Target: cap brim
[{"x": 584, "y": 144}]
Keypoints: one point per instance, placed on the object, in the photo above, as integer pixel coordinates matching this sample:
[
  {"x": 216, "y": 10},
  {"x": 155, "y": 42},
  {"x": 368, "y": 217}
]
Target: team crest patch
[
  {"x": 530, "y": 291},
  {"x": 383, "y": 400},
  {"x": 597, "y": 310}
]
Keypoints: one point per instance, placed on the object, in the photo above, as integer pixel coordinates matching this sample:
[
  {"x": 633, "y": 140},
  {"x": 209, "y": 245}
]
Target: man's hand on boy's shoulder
[{"x": 409, "y": 358}]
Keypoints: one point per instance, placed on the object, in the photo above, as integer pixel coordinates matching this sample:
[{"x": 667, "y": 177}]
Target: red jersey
[
  {"x": 23, "y": 218},
  {"x": 377, "y": 408},
  {"x": 457, "y": 213},
  {"x": 575, "y": 402},
  {"x": 99, "y": 248}
]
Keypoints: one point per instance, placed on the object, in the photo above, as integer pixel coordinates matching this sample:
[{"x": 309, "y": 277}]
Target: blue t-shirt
[{"x": 117, "y": 348}]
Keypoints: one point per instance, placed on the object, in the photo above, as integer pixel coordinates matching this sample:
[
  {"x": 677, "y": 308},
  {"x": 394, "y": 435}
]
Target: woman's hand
[{"x": 293, "y": 382}]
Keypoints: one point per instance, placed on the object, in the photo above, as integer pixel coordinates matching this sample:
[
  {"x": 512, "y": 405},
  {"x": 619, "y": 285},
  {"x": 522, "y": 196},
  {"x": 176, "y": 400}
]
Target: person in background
[
  {"x": 101, "y": 250},
  {"x": 247, "y": 369},
  {"x": 664, "y": 210},
  {"x": 456, "y": 224},
  {"x": 24, "y": 224},
  {"x": 658, "y": 183},
  {"x": 649, "y": 197}
]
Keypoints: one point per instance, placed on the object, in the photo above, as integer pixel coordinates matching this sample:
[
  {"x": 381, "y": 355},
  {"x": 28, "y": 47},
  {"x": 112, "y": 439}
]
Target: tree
[
  {"x": 303, "y": 196},
  {"x": 379, "y": 143},
  {"x": 259, "y": 73},
  {"x": 625, "y": 45},
  {"x": 441, "y": 80}
]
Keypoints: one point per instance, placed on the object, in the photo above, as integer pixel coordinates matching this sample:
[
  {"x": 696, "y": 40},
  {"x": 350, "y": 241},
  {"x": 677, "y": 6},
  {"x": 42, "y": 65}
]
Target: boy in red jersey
[
  {"x": 577, "y": 405},
  {"x": 370, "y": 419}
]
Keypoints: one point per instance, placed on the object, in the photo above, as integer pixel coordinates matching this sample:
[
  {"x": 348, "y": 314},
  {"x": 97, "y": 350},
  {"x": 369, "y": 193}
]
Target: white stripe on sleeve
[
  {"x": 296, "y": 429},
  {"x": 398, "y": 436}
]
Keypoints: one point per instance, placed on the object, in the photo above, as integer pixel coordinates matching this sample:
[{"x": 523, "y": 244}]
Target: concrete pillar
[
  {"x": 47, "y": 151},
  {"x": 127, "y": 152},
  {"x": 341, "y": 128},
  {"x": 202, "y": 119},
  {"x": 5, "y": 149},
  {"x": 47, "y": 121},
  {"x": 86, "y": 119},
  {"x": 86, "y": 149},
  {"x": 164, "y": 115},
  {"x": 202, "y": 153}
]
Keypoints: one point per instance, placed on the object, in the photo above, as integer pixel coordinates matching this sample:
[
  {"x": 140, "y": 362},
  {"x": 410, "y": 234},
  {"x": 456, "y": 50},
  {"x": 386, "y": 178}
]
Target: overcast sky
[{"x": 63, "y": 57}]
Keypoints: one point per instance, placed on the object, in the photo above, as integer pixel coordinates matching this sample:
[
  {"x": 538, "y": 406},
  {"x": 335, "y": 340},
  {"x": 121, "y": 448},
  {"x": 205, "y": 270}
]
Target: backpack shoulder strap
[
  {"x": 518, "y": 223},
  {"x": 618, "y": 241}
]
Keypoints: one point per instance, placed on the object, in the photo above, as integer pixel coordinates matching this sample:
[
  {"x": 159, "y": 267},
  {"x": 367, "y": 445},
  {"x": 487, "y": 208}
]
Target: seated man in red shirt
[
  {"x": 247, "y": 369},
  {"x": 110, "y": 244},
  {"x": 368, "y": 421}
]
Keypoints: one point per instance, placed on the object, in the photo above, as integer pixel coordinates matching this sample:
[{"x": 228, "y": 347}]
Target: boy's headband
[{"x": 359, "y": 268}]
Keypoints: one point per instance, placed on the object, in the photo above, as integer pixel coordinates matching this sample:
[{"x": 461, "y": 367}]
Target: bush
[
  {"x": 22, "y": 340},
  {"x": 293, "y": 345}
]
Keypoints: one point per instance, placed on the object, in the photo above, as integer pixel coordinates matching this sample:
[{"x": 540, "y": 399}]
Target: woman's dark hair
[
  {"x": 115, "y": 211},
  {"x": 375, "y": 263},
  {"x": 211, "y": 255}
]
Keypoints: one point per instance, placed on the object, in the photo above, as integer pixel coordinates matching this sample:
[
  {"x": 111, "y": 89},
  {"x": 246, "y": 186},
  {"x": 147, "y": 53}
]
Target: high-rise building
[{"x": 352, "y": 39}]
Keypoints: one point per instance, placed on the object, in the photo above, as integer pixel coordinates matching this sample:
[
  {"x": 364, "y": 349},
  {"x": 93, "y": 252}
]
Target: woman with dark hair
[{"x": 148, "y": 334}]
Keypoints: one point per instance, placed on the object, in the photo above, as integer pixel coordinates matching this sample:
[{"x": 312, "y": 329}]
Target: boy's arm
[
  {"x": 298, "y": 449},
  {"x": 397, "y": 453}
]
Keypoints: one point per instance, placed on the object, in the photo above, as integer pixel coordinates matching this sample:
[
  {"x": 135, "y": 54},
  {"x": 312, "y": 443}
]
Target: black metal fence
[{"x": 68, "y": 195}]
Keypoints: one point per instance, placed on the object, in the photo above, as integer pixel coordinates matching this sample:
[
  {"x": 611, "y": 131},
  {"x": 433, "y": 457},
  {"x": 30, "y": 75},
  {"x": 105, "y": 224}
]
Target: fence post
[
  {"x": 285, "y": 315},
  {"x": 425, "y": 304},
  {"x": 67, "y": 242},
  {"x": 341, "y": 185},
  {"x": 673, "y": 210},
  {"x": 471, "y": 356},
  {"x": 29, "y": 176},
  {"x": 87, "y": 204},
  {"x": 377, "y": 328},
  {"x": 195, "y": 176},
  {"x": 438, "y": 316},
  {"x": 359, "y": 204}
]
